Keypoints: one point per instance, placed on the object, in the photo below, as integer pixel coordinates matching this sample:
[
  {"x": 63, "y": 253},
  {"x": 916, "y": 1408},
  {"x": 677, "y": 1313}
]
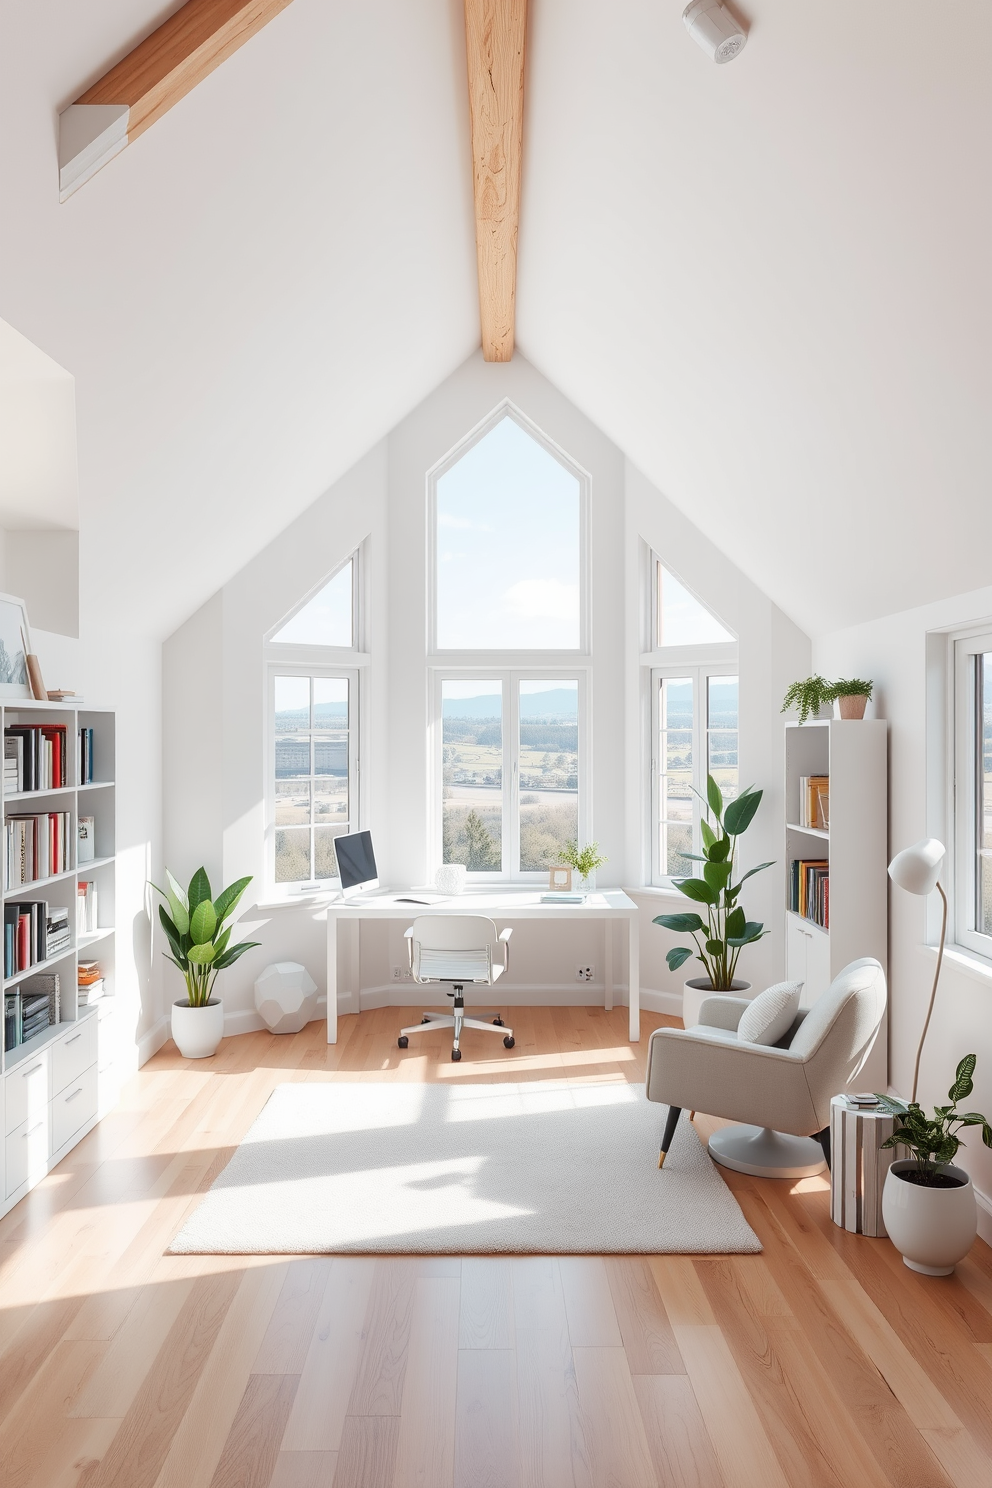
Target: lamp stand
[{"x": 933, "y": 994}]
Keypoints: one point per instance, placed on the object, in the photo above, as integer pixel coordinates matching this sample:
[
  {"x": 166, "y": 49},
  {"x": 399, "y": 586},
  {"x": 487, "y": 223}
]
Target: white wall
[
  {"x": 214, "y": 701},
  {"x": 894, "y": 653}
]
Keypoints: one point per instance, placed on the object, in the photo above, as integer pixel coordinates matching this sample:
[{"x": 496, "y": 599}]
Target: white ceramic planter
[
  {"x": 697, "y": 989},
  {"x": 198, "y": 1030},
  {"x": 932, "y": 1228}
]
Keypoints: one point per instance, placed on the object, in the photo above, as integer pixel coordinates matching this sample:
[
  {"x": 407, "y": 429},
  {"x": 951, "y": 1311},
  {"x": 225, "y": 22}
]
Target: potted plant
[
  {"x": 584, "y": 863},
  {"x": 810, "y": 696},
  {"x": 726, "y": 930},
  {"x": 201, "y": 948},
  {"x": 851, "y": 695},
  {"x": 928, "y": 1204}
]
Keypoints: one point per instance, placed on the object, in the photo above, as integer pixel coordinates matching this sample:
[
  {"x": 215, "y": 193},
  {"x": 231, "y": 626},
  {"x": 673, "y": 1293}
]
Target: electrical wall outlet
[
  {"x": 584, "y": 973},
  {"x": 400, "y": 974}
]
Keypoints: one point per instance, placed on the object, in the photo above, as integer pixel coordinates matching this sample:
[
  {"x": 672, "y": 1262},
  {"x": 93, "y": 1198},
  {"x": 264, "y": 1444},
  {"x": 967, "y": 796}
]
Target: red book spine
[{"x": 23, "y": 942}]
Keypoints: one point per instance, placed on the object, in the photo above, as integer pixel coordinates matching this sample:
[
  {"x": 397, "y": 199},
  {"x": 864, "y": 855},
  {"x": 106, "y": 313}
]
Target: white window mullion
[{"x": 511, "y": 774}]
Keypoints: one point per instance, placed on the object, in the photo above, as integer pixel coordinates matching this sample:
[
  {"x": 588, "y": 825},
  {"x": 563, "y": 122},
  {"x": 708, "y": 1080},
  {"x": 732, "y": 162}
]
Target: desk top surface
[{"x": 508, "y": 903}]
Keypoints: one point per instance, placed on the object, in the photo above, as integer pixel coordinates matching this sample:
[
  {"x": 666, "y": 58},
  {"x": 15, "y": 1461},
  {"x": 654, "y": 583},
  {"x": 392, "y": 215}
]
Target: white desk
[{"x": 497, "y": 904}]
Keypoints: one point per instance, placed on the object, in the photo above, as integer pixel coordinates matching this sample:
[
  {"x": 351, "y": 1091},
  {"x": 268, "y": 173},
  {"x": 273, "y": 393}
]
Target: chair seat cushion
[
  {"x": 453, "y": 966},
  {"x": 770, "y": 1015}
]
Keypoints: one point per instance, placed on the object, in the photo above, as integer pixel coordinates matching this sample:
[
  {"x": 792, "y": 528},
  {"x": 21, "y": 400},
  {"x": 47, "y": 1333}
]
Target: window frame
[
  {"x": 509, "y": 678},
  {"x": 966, "y": 755},
  {"x": 499, "y": 656},
  {"x": 699, "y": 673}
]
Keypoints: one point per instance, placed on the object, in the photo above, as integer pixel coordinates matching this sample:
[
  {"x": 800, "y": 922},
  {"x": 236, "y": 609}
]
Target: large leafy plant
[
  {"x": 194, "y": 926},
  {"x": 720, "y": 937},
  {"x": 933, "y": 1141}
]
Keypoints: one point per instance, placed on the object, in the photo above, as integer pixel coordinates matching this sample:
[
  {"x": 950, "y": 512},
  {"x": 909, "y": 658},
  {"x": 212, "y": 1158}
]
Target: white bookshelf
[
  {"x": 58, "y": 1084},
  {"x": 854, "y": 754}
]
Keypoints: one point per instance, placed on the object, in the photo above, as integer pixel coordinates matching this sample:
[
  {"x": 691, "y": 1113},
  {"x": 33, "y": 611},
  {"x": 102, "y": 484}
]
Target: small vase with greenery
[
  {"x": 726, "y": 930},
  {"x": 194, "y": 926},
  {"x": 585, "y": 862},
  {"x": 809, "y": 696},
  {"x": 851, "y": 695},
  {"x": 933, "y": 1141}
]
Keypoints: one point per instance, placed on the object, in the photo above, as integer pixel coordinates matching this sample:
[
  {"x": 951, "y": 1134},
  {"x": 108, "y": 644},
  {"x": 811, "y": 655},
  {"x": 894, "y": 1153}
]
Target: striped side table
[{"x": 858, "y": 1166}]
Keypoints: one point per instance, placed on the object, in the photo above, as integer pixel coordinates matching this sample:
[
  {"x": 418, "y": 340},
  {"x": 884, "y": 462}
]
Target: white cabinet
[
  {"x": 74, "y": 1052},
  {"x": 27, "y": 1152},
  {"x": 27, "y": 1091},
  {"x": 74, "y": 1107},
  {"x": 808, "y": 958}
]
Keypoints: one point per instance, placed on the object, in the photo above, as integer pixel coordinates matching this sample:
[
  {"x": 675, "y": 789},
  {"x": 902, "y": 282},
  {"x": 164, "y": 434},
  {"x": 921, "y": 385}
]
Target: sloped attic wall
[{"x": 214, "y": 697}]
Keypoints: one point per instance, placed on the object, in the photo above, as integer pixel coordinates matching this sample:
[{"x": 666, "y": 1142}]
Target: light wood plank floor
[{"x": 823, "y": 1361}]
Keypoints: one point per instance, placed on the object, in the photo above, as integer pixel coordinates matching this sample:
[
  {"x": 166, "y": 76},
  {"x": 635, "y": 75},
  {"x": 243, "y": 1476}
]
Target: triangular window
[
  {"x": 682, "y": 620},
  {"x": 327, "y": 618}
]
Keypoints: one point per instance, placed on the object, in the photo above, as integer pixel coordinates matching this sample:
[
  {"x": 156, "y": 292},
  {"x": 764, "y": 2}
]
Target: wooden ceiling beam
[
  {"x": 145, "y": 85},
  {"x": 495, "y": 32}
]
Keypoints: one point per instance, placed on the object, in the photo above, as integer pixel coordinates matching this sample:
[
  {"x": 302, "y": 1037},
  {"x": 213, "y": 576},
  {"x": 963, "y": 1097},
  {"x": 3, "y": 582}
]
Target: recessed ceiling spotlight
[{"x": 710, "y": 23}]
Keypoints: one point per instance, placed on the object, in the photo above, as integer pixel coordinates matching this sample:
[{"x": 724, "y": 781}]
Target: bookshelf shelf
[
  {"x": 46, "y": 965},
  {"x": 82, "y": 1046},
  {"x": 852, "y": 854},
  {"x": 25, "y": 890}
]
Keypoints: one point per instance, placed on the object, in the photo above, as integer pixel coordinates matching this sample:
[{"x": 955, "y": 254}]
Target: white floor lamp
[{"x": 916, "y": 869}]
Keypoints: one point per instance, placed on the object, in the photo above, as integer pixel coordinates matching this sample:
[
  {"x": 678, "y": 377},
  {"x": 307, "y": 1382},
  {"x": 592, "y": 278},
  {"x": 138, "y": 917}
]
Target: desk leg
[
  {"x": 608, "y": 962},
  {"x": 634, "y": 979},
  {"x": 332, "y": 977}
]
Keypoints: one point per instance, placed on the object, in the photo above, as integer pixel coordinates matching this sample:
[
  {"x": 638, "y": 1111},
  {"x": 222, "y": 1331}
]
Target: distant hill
[{"x": 558, "y": 702}]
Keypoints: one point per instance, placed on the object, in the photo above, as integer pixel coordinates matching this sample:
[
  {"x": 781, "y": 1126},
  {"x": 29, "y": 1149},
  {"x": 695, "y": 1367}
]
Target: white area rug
[{"x": 548, "y": 1168}]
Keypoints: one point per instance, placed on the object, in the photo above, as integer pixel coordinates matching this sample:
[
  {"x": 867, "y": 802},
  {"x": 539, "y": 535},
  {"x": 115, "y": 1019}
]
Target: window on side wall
[
  {"x": 694, "y": 719},
  {"x": 314, "y": 677},
  {"x": 972, "y": 855}
]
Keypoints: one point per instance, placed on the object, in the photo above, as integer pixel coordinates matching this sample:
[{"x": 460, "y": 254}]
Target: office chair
[{"x": 456, "y": 949}]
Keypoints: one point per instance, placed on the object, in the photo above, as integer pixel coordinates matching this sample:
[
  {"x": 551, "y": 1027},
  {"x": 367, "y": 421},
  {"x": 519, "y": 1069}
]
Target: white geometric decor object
[{"x": 286, "y": 997}]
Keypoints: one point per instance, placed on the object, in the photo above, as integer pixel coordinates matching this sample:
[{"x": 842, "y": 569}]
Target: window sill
[
  {"x": 966, "y": 962},
  {"x": 654, "y": 891}
]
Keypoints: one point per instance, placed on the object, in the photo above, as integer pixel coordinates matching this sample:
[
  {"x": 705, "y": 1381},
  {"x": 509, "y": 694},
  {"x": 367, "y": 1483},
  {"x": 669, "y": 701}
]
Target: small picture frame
[
  {"x": 560, "y": 877},
  {"x": 15, "y": 647}
]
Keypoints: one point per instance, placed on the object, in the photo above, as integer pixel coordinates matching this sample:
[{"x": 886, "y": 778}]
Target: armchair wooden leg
[
  {"x": 823, "y": 1137},
  {"x": 674, "y": 1112}
]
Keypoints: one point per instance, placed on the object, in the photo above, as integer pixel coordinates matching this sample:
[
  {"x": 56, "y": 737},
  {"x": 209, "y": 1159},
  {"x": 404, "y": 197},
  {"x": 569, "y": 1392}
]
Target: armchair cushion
[{"x": 771, "y": 1014}]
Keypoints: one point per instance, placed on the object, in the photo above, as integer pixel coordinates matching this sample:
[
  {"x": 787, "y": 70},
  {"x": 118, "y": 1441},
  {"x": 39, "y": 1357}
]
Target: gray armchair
[{"x": 782, "y": 1092}]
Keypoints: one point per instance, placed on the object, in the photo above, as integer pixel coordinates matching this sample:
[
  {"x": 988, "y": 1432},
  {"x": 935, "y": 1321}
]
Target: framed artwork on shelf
[
  {"x": 15, "y": 647},
  {"x": 560, "y": 877}
]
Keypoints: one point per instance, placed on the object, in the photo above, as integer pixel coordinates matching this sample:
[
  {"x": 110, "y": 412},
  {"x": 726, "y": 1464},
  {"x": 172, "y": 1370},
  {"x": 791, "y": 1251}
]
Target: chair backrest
[
  {"x": 454, "y": 947},
  {"x": 837, "y": 1034}
]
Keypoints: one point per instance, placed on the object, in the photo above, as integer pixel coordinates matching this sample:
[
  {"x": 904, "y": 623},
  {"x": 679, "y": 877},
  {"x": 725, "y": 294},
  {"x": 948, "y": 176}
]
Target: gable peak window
[
  {"x": 328, "y": 617},
  {"x": 508, "y": 546},
  {"x": 682, "y": 620}
]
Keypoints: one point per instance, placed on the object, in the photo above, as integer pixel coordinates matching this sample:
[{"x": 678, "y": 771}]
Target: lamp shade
[{"x": 917, "y": 868}]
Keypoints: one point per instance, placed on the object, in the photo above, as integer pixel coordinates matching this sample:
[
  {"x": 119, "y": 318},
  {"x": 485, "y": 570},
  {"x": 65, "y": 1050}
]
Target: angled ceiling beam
[
  {"x": 142, "y": 87},
  {"x": 495, "y": 32}
]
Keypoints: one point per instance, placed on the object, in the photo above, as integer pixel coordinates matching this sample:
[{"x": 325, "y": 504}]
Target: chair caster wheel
[
  {"x": 425, "y": 1020},
  {"x": 403, "y": 1043},
  {"x": 509, "y": 1042},
  {"x": 498, "y": 1022},
  {"x": 456, "y": 1054}
]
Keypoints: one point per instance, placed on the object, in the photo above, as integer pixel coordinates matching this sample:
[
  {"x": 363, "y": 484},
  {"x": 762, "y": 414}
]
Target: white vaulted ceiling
[{"x": 767, "y": 282}]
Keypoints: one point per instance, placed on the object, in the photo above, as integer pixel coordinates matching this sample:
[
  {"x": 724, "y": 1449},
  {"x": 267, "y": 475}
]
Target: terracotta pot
[
  {"x": 198, "y": 1030},
  {"x": 932, "y": 1228},
  {"x": 697, "y": 989},
  {"x": 853, "y": 706}
]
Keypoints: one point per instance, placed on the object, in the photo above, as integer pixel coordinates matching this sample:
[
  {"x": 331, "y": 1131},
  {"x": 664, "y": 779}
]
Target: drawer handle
[
  {"x": 25, "y": 1135},
  {"x": 75, "y": 1036},
  {"x": 72, "y": 1097},
  {"x": 32, "y": 1071}
]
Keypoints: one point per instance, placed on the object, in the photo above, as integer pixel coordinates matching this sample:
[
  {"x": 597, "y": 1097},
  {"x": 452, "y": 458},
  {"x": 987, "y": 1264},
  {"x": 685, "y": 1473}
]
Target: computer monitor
[{"x": 356, "y": 861}]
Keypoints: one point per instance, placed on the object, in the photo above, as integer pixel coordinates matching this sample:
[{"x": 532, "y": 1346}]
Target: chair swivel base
[
  {"x": 450, "y": 1020},
  {"x": 765, "y": 1153}
]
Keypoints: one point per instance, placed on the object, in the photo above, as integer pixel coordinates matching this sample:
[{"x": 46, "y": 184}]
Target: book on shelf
[
  {"x": 45, "y": 763},
  {"x": 84, "y": 757},
  {"x": 809, "y": 890},
  {"x": 13, "y": 764},
  {"x": 28, "y": 1010},
  {"x": 35, "y": 847},
  {"x": 48, "y": 983},
  {"x": 33, "y": 931},
  {"x": 90, "y": 983},
  {"x": 86, "y": 907},
  {"x": 86, "y": 849},
  {"x": 814, "y": 801}
]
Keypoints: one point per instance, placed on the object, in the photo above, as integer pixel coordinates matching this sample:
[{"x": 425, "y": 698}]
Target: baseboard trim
[
  {"x": 669, "y": 1003},
  {"x": 984, "y": 1215},
  {"x": 149, "y": 1043}
]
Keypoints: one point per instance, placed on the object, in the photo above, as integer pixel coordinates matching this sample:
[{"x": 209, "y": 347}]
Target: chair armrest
[
  {"x": 408, "y": 937},
  {"x": 504, "y": 937},
  {"x": 505, "y": 934},
  {"x": 722, "y": 1012},
  {"x": 753, "y": 1083},
  {"x": 408, "y": 933}
]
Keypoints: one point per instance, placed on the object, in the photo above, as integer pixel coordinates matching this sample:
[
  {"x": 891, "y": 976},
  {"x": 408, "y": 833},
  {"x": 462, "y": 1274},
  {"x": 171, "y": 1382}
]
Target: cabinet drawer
[
  {"x": 27, "y": 1152},
  {"x": 73, "y": 1053},
  {"x": 26, "y": 1091},
  {"x": 73, "y": 1107}
]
